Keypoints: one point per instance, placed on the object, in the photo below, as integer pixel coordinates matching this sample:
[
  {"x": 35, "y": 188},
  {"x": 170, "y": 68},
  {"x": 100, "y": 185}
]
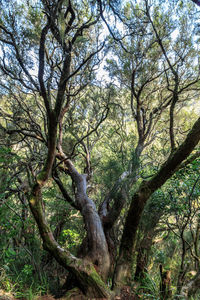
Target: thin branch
[
  {"x": 41, "y": 69},
  {"x": 64, "y": 191},
  {"x": 93, "y": 130}
]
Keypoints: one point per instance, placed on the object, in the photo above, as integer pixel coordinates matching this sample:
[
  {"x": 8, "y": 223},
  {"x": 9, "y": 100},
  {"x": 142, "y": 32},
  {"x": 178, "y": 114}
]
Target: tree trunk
[
  {"x": 98, "y": 252},
  {"x": 151, "y": 220},
  {"x": 183, "y": 266},
  {"x": 123, "y": 268},
  {"x": 88, "y": 280},
  {"x": 165, "y": 284},
  {"x": 143, "y": 256}
]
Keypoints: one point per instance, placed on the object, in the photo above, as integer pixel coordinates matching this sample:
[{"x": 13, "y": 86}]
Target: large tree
[{"x": 54, "y": 111}]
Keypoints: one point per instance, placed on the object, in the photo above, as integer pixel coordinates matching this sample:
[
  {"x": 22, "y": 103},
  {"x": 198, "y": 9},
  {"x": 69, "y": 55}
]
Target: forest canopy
[{"x": 99, "y": 149}]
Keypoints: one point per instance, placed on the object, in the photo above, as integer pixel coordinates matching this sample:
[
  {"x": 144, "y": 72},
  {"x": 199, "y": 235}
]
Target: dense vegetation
[{"x": 99, "y": 155}]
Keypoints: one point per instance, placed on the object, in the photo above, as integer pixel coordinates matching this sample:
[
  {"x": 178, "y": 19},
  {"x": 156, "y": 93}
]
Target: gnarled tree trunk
[{"x": 87, "y": 278}]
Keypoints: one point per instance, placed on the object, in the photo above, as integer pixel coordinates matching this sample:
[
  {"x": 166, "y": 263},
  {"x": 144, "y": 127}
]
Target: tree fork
[{"x": 88, "y": 280}]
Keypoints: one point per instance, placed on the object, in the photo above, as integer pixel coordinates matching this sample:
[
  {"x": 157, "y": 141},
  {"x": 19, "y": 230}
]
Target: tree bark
[
  {"x": 143, "y": 255},
  {"x": 97, "y": 248},
  {"x": 146, "y": 189},
  {"x": 87, "y": 278},
  {"x": 148, "y": 229}
]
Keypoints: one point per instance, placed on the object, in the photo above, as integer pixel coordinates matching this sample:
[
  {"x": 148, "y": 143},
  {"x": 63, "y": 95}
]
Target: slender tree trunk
[{"x": 165, "y": 284}]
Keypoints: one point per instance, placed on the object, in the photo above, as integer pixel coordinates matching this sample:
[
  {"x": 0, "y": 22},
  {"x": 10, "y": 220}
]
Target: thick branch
[
  {"x": 64, "y": 191},
  {"x": 146, "y": 189},
  {"x": 189, "y": 160},
  {"x": 72, "y": 18},
  {"x": 84, "y": 272},
  {"x": 62, "y": 83},
  {"x": 98, "y": 249}
]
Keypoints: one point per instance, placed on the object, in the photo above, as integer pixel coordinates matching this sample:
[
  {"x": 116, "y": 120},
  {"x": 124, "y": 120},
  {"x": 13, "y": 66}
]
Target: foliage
[{"x": 82, "y": 158}]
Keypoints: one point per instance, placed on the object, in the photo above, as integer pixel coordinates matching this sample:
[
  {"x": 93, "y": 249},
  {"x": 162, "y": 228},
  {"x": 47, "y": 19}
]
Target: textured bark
[
  {"x": 109, "y": 216},
  {"x": 97, "y": 244},
  {"x": 124, "y": 263},
  {"x": 87, "y": 278},
  {"x": 143, "y": 255},
  {"x": 149, "y": 231},
  {"x": 146, "y": 189}
]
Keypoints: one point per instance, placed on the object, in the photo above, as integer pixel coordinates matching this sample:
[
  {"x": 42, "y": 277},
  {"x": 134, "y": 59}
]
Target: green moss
[{"x": 100, "y": 282}]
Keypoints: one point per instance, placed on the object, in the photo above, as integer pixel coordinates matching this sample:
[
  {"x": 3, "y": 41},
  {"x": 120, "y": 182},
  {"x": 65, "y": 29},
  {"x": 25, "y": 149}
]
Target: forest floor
[{"x": 126, "y": 294}]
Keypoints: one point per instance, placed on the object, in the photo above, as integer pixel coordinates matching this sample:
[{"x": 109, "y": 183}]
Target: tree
[{"x": 54, "y": 119}]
